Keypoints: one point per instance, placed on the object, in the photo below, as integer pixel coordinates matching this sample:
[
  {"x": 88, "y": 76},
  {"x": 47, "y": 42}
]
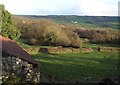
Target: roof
[{"x": 10, "y": 47}]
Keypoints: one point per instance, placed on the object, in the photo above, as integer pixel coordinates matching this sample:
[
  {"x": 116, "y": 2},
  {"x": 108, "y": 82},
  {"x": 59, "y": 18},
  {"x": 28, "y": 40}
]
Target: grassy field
[
  {"x": 77, "y": 67},
  {"x": 87, "y": 21},
  {"x": 100, "y": 45}
]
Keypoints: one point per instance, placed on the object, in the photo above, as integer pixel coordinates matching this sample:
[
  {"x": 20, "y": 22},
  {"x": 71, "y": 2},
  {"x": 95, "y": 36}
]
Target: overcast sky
[{"x": 62, "y": 7}]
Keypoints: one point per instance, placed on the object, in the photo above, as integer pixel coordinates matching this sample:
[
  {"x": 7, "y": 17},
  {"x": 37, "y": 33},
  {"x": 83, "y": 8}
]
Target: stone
[{"x": 18, "y": 68}]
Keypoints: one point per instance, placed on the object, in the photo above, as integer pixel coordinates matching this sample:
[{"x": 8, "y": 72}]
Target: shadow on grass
[{"x": 55, "y": 68}]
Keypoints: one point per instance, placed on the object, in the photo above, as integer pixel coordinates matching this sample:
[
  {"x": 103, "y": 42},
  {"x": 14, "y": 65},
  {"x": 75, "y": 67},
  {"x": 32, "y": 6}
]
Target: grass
[
  {"x": 100, "y": 45},
  {"x": 24, "y": 45},
  {"x": 77, "y": 67}
]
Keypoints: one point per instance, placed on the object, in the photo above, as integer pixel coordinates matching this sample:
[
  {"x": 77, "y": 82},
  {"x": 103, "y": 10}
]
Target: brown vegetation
[
  {"x": 46, "y": 32},
  {"x": 58, "y": 50},
  {"x": 100, "y": 36},
  {"x": 109, "y": 49}
]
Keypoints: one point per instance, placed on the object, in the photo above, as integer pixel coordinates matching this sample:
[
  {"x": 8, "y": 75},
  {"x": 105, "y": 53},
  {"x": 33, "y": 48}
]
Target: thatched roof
[{"x": 10, "y": 47}]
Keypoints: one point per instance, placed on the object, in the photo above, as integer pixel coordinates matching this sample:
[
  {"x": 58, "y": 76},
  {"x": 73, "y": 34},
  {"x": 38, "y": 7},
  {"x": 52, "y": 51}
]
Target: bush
[
  {"x": 33, "y": 41},
  {"x": 74, "y": 39},
  {"x": 100, "y": 36},
  {"x": 8, "y": 28},
  {"x": 47, "y": 32}
]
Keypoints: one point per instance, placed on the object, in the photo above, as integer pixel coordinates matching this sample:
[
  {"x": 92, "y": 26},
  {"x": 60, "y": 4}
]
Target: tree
[
  {"x": 50, "y": 38},
  {"x": 8, "y": 28}
]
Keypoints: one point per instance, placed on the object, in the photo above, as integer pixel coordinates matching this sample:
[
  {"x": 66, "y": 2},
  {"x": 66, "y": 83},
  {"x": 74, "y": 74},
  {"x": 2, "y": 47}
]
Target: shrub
[
  {"x": 33, "y": 41},
  {"x": 100, "y": 36},
  {"x": 47, "y": 32},
  {"x": 8, "y": 28},
  {"x": 74, "y": 39}
]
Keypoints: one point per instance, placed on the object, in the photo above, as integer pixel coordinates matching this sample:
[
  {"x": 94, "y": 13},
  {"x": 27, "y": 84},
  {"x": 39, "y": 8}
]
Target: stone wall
[
  {"x": 58, "y": 50},
  {"x": 70, "y": 50},
  {"x": 109, "y": 49},
  {"x": 15, "y": 69}
]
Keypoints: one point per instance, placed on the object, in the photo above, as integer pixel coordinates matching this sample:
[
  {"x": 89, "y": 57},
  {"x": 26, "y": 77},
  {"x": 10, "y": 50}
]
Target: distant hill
[{"x": 88, "y": 21}]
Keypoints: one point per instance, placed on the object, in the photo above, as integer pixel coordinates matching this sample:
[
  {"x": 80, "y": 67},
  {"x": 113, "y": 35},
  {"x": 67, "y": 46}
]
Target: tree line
[
  {"x": 47, "y": 32},
  {"x": 100, "y": 36}
]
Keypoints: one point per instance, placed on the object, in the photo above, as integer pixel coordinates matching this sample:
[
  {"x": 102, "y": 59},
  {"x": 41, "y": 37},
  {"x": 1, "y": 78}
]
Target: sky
[{"x": 62, "y": 7}]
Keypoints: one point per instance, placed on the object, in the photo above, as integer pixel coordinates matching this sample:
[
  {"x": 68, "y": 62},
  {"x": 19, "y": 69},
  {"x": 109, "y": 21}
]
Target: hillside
[{"x": 86, "y": 21}]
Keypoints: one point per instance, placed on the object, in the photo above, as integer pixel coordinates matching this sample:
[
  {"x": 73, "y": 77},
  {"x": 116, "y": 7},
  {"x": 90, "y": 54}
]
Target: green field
[
  {"x": 87, "y": 21},
  {"x": 77, "y": 67},
  {"x": 81, "y": 67}
]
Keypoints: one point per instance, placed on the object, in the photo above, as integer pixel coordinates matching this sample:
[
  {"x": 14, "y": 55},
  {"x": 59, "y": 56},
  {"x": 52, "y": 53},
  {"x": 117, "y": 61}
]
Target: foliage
[
  {"x": 46, "y": 32},
  {"x": 50, "y": 38},
  {"x": 100, "y": 36},
  {"x": 33, "y": 41},
  {"x": 8, "y": 28}
]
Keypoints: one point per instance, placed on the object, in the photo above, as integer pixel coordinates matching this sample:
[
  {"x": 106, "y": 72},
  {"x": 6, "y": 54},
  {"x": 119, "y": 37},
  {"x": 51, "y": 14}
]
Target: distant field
[
  {"x": 86, "y": 21},
  {"x": 77, "y": 67}
]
